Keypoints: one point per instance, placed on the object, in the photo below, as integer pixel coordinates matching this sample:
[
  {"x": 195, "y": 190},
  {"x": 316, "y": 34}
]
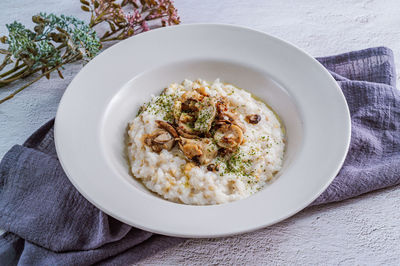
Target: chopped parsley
[
  {"x": 238, "y": 164},
  {"x": 232, "y": 92},
  {"x": 162, "y": 104}
]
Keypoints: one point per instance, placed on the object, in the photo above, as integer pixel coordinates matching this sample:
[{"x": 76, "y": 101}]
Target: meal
[{"x": 204, "y": 143}]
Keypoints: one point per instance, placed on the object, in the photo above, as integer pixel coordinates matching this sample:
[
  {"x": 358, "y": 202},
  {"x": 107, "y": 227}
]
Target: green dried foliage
[
  {"x": 54, "y": 41},
  {"x": 41, "y": 47},
  {"x": 59, "y": 40}
]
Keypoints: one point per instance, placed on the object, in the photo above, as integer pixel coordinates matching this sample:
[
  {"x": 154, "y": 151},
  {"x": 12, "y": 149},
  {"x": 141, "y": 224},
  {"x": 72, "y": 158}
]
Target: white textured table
[{"x": 364, "y": 230}]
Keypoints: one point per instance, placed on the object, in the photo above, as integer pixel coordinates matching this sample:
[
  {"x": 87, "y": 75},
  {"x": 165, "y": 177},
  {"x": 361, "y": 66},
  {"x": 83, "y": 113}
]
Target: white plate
[{"x": 96, "y": 107}]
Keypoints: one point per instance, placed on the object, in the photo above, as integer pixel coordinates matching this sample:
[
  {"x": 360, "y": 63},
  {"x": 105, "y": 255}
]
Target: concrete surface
[{"x": 363, "y": 231}]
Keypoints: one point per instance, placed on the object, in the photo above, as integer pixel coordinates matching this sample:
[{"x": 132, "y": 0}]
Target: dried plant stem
[
  {"x": 21, "y": 74},
  {"x": 21, "y": 89},
  {"x": 121, "y": 36},
  {"x": 98, "y": 19},
  {"x": 129, "y": 17},
  {"x": 5, "y": 61},
  {"x": 10, "y": 96},
  {"x": 15, "y": 68},
  {"x": 32, "y": 51}
]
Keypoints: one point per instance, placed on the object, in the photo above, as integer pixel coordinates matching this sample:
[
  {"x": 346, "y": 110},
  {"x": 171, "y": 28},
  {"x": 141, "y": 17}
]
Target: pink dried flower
[
  {"x": 128, "y": 17},
  {"x": 145, "y": 26},
  {"x": 133, "y": 19}
]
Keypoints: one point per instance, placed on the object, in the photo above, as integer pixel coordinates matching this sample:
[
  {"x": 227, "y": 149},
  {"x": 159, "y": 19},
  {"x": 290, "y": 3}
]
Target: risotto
[{"x": 204, "y": 143}]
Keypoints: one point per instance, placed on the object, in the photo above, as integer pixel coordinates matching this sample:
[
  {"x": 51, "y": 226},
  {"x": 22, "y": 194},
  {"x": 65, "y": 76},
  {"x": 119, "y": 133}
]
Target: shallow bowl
[{"x": 92, "y": 119}]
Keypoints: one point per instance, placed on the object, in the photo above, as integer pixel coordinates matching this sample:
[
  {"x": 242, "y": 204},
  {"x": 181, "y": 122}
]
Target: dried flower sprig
[
  {"x": 54, "y": 42},
  {"x": 130, "y": 17},
  {"x": 59, "y": 40}
]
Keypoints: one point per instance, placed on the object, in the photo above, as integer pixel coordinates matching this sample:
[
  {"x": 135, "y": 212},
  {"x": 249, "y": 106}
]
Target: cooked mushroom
[
  {"x": 190, "y": 147},
  {"x": 186, "y": 135},
  {"x": 210, "y": 151},
  {"x": 224, "y": 151},
  {"x": 205, "y": 115},
  {"x": 202, "y": 91},
  {"x": 219, "y": 123},
  {"x": 188, "y": 102},
  {"x": 222, "y": 105},
  {"x": 191, "y": 95},
  {"x": 190, "y": 106},
  {"x": 160, "y": 139},
  {"x": 226, "y": 116},
  {"x": 234, "y": 119},
  {"x": 186, "y": 127},
  {"x": 229, "y": 118},
  {"x": 168, "y": 127},
  {"x": 201, "y": 151},
  {"x": 194, "y": 113},
  {"x": 177, "y": 110},
  {"x": 240, "y": 125},
  {"x": 253, "y": 119},
  {"x": 229, "y": 136},
  {"x": 185, "y": 118},
  {"x": 212, "y": 167}
]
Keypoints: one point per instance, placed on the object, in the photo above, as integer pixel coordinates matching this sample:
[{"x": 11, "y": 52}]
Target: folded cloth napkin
[{"x": 49, "y": 223}]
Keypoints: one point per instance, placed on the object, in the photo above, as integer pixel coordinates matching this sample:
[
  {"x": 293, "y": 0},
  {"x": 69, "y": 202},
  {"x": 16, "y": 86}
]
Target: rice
[{"x": 207, "y": 169}]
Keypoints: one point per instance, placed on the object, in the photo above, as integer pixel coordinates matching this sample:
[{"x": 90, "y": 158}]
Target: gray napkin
[
  {"x": 50, "y": 223},
  {"x": 368, "y": 81}
]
